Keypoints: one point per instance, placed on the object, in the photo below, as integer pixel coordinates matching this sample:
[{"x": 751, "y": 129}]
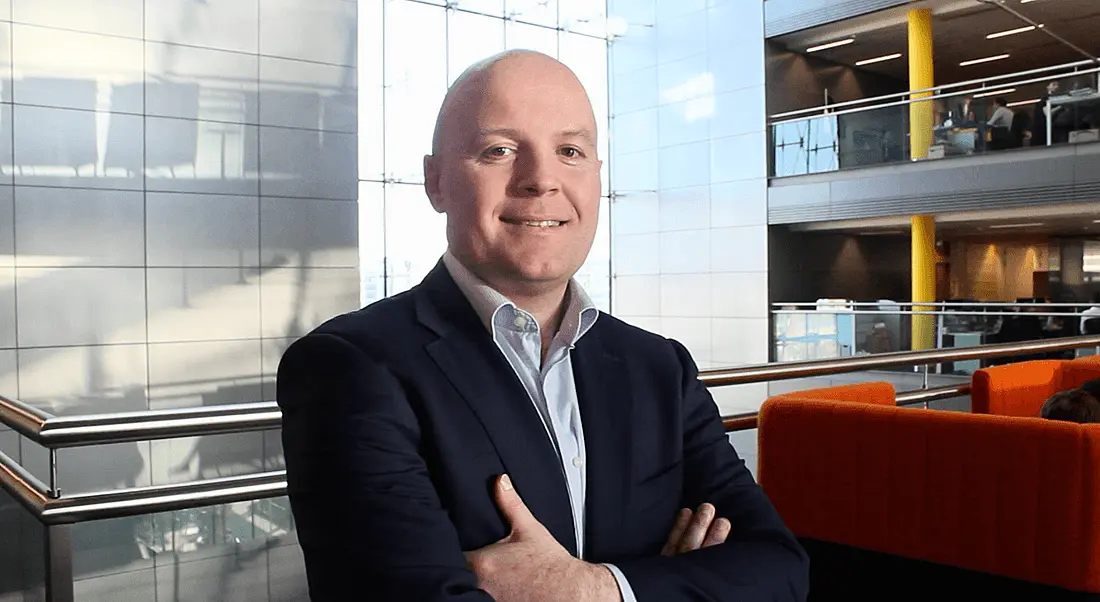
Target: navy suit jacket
[{"x": 398, "y": 417}]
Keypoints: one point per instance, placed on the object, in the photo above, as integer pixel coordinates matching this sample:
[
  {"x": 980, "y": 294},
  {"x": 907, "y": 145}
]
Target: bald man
[{"x": 489, "y": 434}]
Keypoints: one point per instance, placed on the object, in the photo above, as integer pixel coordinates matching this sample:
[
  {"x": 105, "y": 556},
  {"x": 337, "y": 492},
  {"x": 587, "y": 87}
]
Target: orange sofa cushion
[{"x": 1016, "y": 497}]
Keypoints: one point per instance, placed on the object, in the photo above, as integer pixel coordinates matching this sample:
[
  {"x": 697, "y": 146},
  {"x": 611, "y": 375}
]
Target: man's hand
[
  {"x": 530, "y": 565},
  {"x": 694, "y": 530}
]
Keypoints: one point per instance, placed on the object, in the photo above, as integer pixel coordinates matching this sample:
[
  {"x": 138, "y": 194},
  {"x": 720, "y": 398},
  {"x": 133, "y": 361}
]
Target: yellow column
[
  {"x": 924, "y": 279},
  {"x": 921, "y": 114}
]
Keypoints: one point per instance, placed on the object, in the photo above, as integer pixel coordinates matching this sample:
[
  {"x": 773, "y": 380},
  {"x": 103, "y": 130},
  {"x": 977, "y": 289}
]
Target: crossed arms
[{"x": 370, "y": 520}]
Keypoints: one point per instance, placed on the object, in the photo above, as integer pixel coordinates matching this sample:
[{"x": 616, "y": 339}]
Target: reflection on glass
[
  {"x": 538, "y": 12},
  {"x": 370, "y": 62},
  {"x": 595, "y": 274},
  {"x": 531, "y": 37},
  {"x": 372, "y": 242},
  {"x": 493, "y": 8},
  {"x": 587, "y": 57},
  {"x": 415, "y": 237},
  {"x": 471, "y": 38},
  {"x": 416, "y": 80},
  {"x": 584, "y": 17}
]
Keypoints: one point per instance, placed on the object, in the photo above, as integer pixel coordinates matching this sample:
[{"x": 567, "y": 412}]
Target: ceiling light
[
  {"x": 995, "y": 92},
  {"x": 1011, "y": 32},
  {"x": 878, "y": 59},
  {"x": 1021, "y": 103},
  {"x": 829, "y": 45},
  {"x": 1030, "y": 225},
  {"x": 988, "y": 59}
]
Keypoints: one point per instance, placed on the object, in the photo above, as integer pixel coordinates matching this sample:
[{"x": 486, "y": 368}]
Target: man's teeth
[{"x": 546, "y": 223}]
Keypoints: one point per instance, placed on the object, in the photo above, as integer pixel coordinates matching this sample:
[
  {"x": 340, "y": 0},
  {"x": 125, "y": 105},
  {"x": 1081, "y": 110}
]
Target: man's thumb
[{"x": 509, "y": 502}]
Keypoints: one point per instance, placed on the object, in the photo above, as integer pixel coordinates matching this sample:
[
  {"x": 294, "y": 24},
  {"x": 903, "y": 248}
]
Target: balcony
[{"x": 853, "y": 160}]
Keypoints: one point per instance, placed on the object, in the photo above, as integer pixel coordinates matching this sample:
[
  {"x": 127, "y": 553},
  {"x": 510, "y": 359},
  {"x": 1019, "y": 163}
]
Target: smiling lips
[{"x": 533, "y": 223}]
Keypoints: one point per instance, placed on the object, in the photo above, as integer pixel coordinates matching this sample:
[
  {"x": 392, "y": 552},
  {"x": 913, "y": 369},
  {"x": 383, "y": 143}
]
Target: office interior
[
  {"x": 866, "y": 56},
  {"x": 986, "y": 264}
]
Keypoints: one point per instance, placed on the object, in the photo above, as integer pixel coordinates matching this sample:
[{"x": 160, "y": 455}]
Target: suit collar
[{"x": 481, "y": 375}]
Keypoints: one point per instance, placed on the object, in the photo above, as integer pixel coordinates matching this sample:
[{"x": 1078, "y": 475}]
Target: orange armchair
[{"x": 1021, "y": 389}]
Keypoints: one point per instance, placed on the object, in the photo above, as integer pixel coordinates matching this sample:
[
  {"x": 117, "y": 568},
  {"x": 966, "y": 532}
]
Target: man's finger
[
  {"x": 719, "y": 531},
  {"x": 677, "y": 532},
  {"x": 509, "y": 502},
  {"x": 697, "y": 529}
]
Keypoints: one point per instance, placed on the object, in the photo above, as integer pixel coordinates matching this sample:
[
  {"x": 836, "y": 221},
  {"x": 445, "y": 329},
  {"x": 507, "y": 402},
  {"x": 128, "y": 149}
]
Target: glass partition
[{"x": 994, "y": 119}]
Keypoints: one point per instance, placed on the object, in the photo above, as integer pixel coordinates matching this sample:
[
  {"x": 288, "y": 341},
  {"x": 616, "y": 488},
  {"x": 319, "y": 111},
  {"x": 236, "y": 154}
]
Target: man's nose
[{"x": 536, "y": 174}]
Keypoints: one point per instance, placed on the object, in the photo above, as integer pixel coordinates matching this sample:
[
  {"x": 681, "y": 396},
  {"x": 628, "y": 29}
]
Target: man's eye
[
  {"x": 498, "y": 151},
  {"x": 571, "y": 151}
]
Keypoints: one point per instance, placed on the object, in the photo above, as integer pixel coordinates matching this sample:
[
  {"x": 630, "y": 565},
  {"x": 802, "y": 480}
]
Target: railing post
[{"x": 59, "y": 563}]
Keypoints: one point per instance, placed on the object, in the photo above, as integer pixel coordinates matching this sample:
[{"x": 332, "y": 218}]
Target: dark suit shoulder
[
  {"x": 383, "y": 321},
  {"x": 629, "y": 341}
]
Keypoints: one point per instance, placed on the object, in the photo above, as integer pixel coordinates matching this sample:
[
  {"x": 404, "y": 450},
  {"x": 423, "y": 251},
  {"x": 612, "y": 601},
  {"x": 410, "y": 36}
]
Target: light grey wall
[
  {"x": 177, "y": 201},
  {"x": 689, "y": 178}
]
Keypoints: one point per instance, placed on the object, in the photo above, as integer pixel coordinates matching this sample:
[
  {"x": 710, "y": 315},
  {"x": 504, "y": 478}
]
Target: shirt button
[
  {"x": 520, "y": 322},
  {"x": 578, "y": 461}
]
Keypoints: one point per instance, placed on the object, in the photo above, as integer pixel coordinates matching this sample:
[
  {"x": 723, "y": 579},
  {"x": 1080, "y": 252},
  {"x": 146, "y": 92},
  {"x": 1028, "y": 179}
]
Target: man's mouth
[{"x": 533, "y": 223}]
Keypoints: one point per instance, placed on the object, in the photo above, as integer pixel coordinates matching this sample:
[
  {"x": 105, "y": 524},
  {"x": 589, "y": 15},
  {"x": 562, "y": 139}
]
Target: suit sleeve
[
  {"x": 761, "y": 561},
  {"x": 369, "y": 520}
]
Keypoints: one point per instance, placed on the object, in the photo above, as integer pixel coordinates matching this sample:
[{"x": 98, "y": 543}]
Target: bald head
[{"x": 469, "y": 89}]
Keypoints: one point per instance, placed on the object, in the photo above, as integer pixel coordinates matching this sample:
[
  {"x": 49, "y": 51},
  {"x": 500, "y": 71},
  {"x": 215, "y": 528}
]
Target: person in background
[
  {"x": 1090, "y": 318},
  {"x": 1080, "y": 405},
  {"x": 1000, "y": 125}
]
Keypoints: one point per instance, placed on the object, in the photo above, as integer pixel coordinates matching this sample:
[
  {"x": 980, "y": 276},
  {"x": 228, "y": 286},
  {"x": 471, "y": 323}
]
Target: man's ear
[{"x": 432, "y": 176}]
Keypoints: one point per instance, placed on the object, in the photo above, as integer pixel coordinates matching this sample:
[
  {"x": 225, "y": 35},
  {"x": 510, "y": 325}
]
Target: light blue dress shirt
[{"x": 550, "y": 385}]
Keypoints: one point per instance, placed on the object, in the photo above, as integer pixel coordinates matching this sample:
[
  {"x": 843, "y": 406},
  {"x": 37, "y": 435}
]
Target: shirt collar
[{"x": 580, "y": 312}]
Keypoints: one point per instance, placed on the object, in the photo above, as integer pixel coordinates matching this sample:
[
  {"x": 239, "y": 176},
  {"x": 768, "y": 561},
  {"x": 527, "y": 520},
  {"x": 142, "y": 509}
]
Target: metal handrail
[
  {"x": 828, "y": 311},
  {"x": 935, "y": 89},
  {"x": 827, "y": 111},
  {"x": 73, "y": 431},
  {"x": 791, "y": 370},
  {"x": 926, "y": 304},
  {"x": 52, "y": 508}
]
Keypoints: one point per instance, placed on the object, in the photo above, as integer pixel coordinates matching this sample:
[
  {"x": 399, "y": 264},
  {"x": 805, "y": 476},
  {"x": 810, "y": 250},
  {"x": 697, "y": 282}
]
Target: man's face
[{"x": 517, "y": 173}]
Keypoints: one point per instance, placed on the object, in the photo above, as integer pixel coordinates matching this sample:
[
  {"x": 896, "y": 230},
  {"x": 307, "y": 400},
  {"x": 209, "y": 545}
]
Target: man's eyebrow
[
  {"x": 511, "y": 133},
  {"x": 581, "y": 133}
]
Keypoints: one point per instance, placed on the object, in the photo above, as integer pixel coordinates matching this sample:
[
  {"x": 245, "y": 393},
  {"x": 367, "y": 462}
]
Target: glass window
[
  {"x": 595, "y": 274},
  {"x": 415, "y": 236},
  {"x": 372, "y": 242},
  {"x": 371, "y": 141},
  {"x": 471, "y": 38},
  {"x": 531, "y": 37},
  {"x": 583, "y": 16},
  {"x": 587, "y": 57},
  {"x": 493, "y": 8},
  {"x": 538, "y": 12},
  {"x": 416, "y": 80}
]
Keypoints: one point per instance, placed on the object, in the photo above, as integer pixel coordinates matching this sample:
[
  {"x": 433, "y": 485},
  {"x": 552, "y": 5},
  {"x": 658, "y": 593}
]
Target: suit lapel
[
  {"x": 467, "y": 356},
  {"x": 606, "y": 401}
]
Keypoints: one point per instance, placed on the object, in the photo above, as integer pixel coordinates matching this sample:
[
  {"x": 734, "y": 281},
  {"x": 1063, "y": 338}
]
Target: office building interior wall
[
  {"x": 177, "y": 202},
  {"x": 689, "y": 179},
  {"x": 806, "y": 266},
  {"x": 1000, "y": 271}
]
